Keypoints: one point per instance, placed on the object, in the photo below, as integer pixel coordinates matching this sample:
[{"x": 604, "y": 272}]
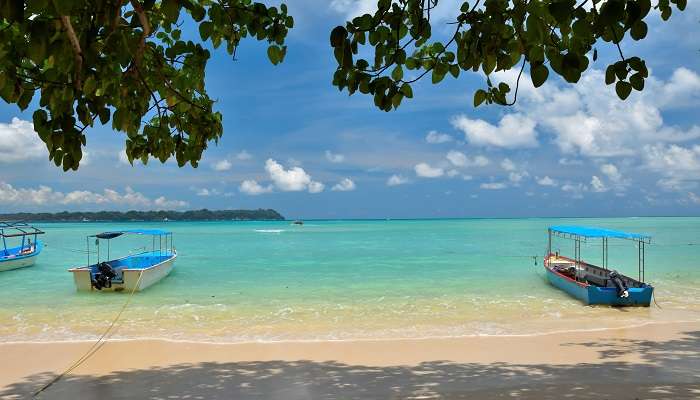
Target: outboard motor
[
  {"x": 103, "y": 279},
  {"x": 619, "y": 284}
]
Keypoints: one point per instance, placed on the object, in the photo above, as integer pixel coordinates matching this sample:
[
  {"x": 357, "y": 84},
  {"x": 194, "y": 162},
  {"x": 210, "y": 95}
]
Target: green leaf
[
  {"x": 539, "y": 74},
  {"x": 397, "y": 73},
  {"x": 637, "y": 82},
  {"x": 274, "y": 54},
  {"x": 623, "y": 89},
  {"x": 454, "y": 70},
  {"x": 561, "y": 10},
  {"x": 338, "y": 36},
  {"x": 406, "y": 90},
  {"x": 479, "y": 97},
  {"x": 205, "y": 29},
  {"x": 610, "y": 75},
  {"x": 639, "y": 30},
  {"x": 437, "y": 76}
]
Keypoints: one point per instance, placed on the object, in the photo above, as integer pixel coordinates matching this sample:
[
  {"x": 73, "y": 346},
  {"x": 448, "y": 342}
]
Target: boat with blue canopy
[
  {"x": 18, "y": 249},
  {"x": 594, "y": 284},
  {"x": 133, "y": 272}
]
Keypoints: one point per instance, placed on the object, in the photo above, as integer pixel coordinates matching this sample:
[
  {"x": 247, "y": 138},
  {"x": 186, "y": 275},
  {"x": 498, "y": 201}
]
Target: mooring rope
[{"x": 96, "y": 346}]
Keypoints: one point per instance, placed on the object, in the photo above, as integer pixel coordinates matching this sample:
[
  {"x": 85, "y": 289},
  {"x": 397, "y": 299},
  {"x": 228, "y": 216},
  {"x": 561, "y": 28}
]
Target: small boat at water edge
[
  {"x": 26, "y": 253},
  {"x": 134, "y": 272},
  {"x": 593, "y": 284}
]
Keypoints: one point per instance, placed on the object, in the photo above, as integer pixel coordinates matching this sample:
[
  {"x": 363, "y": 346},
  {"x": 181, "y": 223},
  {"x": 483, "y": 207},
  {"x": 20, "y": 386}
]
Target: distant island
[{"x": 115, "y": 216}]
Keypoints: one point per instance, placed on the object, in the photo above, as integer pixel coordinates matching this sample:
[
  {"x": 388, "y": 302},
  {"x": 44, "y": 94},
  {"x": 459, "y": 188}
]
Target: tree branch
[
  {"x": 78, "y": 53},
  {"x": 138, "y": 8}
]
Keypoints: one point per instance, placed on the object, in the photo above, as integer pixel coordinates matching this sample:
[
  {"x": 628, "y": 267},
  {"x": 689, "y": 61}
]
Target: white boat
[
  {"x": 134, "y": 272},
  {"x": 24, "y": 254}
]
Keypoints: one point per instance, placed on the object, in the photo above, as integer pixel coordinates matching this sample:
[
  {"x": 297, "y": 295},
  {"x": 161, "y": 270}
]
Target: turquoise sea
[{"x": 265, "y": 281}]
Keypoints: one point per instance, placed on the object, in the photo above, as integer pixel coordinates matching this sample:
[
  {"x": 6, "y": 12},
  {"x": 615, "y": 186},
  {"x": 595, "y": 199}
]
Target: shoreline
[
  {"x": 354, "y": 340},
  {"x": 622, "y": 361}
]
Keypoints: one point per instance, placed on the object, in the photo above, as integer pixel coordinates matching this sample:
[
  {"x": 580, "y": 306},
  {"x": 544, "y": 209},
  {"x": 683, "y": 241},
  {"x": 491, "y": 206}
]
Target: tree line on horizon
[{"x": 133, "y": 215}]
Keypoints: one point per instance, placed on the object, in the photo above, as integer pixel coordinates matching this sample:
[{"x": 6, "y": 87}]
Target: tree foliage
[
  {"x": 489, "y": 36},
  {"x": 125, "y": 62}
]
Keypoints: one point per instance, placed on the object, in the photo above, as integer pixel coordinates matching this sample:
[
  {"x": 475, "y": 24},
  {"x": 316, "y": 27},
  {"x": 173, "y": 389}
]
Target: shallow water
[{"x": 258, "y": 281}]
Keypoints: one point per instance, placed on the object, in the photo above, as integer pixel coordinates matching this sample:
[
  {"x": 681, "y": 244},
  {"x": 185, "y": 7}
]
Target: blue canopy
[
  {"x": 113, "y": 234},
  {"x": 591, "y": 232}
]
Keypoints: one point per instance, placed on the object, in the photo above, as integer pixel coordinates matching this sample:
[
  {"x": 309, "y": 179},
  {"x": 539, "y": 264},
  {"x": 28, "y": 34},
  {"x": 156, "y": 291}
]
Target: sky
[{"x": 294, "y": 143}]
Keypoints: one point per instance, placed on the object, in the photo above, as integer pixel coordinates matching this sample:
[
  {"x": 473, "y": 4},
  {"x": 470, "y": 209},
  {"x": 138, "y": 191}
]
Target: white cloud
[
  {"x": 316, "y": 187},
  {"x": 253, "y": 188},
  {"x": 243, "y": 155},
  {"x": 681, "y": 90},
  {"x": 678, "y": 165},
  {"x": 597, "y": 185},
  {"x": 566, "y": 161},
  {"x": 459, "y": 159},
  {"x": 334, "y": 157},
  {"x": 435, "y": 137},
  {"x": 164, "y": 204},
  {"x": 513, "y": 130},
  {"x": 611, "y": 171},
  {"x": 222, "y": 165},
  {"x": 508, "y": 165},
  {"x": 452, "y": 173},
  {"x": 19, "y": 142},
  {"x": 546, "y": 181},
  {"x": 424, "y": 170},
  {"x": 575, "y": 190},
  {"x": 493, "y": 186},
  {"x": 693, "y": 198},
  {"x": 517, "y": 176},
  {"x": 345, "y": 185},
  {"x": 289, "y": 180},
  {"x": 204, "y": 192},
  {"x": 589, "y": 119},
  {"x": 396, "y": 180},
  {"x": 46, "y": 196}
]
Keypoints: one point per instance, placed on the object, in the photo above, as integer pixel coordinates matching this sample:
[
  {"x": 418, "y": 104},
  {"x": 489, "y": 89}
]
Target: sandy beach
[{"x": 656, "y": 361}]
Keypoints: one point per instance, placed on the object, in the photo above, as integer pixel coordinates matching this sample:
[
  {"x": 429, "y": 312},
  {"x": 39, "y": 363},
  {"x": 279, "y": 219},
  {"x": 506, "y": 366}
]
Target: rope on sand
[{"x": 96, "y": 346}]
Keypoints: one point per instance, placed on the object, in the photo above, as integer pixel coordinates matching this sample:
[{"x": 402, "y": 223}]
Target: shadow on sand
[{"x": 668, "y": 370}]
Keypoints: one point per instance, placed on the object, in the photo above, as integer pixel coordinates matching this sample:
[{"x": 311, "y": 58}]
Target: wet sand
[{"x": 657, "y": 361}]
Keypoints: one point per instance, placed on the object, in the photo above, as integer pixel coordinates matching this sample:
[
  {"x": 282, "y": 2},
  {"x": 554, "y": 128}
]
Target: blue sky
[{"x": 294, "y": 143}]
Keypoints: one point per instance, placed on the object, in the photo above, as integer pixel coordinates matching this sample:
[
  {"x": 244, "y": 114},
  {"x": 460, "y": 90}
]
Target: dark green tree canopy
[
  {"x": 489, "y": 36},
  {"x": 124, "y": 60}
]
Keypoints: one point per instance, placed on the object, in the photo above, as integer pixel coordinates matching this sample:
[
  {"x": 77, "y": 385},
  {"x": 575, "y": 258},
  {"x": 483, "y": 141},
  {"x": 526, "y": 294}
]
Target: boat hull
[
  {"x": 591, "y": 294},
  {"x": 130, "y": 282},
  {"x": 20, "y": 260}
]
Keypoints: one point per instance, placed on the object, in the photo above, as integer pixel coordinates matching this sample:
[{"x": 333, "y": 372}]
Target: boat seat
[{"x": 596, "y": 280}]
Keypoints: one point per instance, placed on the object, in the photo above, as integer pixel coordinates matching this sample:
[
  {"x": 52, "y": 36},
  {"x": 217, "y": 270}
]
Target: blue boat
[
  {"x": 18, "y": 249},
  {"x": 130, "y": 273},
  {"x": 594, "y": 284}
]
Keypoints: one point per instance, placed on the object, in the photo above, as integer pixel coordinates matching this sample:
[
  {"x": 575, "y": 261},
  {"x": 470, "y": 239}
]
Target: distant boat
[
  {"x": 134, "y": 272},
  {"x": 594, "y": 284},
  {"x": 298, "y": 222},
  {"x": 26, "y": 252}
]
